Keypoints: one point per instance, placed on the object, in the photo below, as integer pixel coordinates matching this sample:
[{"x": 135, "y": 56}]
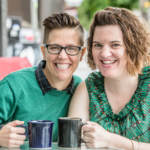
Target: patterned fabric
[
  {"x": 43, "y": 82},
  {"x": 133, "y": 121}
]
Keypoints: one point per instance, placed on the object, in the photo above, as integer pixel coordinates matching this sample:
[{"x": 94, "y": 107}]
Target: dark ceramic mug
[
  {"x": 40, "y": 133},
  {"x": 69, "y": 132}
]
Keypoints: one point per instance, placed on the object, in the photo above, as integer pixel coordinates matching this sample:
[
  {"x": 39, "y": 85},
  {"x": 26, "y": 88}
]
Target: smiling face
[
  {"x": 60, "y": 67},
  {"x": 109, "y": 52}
]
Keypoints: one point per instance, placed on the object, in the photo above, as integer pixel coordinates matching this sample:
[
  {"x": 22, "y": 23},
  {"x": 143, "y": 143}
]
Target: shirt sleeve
[{"x": 7, "y": 102}]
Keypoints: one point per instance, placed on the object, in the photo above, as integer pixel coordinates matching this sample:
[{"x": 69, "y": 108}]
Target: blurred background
[{"x": 21, "y": 26}]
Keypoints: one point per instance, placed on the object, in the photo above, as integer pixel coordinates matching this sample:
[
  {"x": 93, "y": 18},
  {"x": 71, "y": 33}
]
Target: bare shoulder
[{"x": 81, "y": 87}]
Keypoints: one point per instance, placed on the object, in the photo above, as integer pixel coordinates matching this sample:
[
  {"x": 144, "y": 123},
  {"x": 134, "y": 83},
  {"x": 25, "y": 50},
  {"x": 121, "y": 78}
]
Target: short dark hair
[
  {"x": 135, "y": 37},
  {"x": 60, "y": 21}
]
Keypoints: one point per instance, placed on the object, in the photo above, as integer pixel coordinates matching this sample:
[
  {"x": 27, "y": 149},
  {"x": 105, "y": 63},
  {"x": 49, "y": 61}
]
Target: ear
[
  {"x": 43, "y": 51},
  {"x": 82, "y": 52}
]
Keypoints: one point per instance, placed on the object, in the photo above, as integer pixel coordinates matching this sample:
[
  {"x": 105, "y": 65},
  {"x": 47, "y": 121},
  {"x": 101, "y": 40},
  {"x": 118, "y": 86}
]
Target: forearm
[
  {"x": 127, "y": 144},
  {"x": 79, "y": 106}
]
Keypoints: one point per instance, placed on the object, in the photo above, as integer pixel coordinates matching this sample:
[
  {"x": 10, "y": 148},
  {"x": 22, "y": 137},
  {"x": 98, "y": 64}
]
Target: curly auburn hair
[
  {"x": 61, "y": 21},
  {"x": 135, "y": 37}
]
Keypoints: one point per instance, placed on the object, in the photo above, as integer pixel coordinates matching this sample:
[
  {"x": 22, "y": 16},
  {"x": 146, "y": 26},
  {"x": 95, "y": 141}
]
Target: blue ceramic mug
[{"x": 40, "y": 133}]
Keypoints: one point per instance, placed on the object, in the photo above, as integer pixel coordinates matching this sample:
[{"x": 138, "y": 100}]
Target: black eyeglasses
[{"x": 56, "y": 49}]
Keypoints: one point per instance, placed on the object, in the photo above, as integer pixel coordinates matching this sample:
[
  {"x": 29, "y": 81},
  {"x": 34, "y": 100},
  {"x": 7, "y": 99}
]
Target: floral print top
[{"x": 133, "y": 121}]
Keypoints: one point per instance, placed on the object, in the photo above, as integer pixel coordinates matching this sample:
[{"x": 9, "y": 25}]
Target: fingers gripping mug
[{"x": 69, "y": 132}]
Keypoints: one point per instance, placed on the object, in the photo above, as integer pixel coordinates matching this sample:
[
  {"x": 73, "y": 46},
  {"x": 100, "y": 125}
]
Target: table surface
[{"x": 55, "y": 147}]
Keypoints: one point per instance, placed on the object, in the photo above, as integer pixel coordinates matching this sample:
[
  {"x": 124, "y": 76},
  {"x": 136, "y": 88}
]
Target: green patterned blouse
[{"x": 133, "y": 121}]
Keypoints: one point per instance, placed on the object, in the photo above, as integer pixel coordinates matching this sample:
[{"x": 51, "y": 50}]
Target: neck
[
  {"x": 55, "y": 82},
  {"x": 121, "y": 85}
]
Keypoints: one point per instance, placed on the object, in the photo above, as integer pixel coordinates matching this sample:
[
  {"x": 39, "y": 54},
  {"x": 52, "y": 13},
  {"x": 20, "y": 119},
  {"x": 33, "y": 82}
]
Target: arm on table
[
  {"x": 125, "y": 143},
  {"x": 96, "y": 136},
  {"x": 79, "y": 106}
]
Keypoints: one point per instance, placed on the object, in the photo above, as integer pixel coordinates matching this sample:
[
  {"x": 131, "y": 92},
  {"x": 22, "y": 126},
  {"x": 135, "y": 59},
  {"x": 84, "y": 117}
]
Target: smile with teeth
[
  {"x": 62, "y": 66},
  {"x": 108, "y": 61}
]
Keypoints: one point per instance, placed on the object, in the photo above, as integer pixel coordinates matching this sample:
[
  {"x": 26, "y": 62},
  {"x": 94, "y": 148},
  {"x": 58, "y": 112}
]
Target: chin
[
  {"x": 64, "y": 77},
  {"x": 109, "y": 74}
]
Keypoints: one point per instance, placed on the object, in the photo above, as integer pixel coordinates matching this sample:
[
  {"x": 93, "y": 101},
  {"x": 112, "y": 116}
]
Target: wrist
[
  {"x": 132, "y": 145},
  {"x": 136, "y": 145},
  {"x": 117, "y": 141},
  {"x": 109, "y": 139}
]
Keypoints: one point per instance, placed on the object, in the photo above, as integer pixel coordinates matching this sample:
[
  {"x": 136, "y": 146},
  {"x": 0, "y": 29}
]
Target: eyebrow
[
  {"x": 54, "y": 44},
  {"x": 95, "y": 42},
  {"x": 116, "y": 41},
  {"x": 110, "y": 41}
]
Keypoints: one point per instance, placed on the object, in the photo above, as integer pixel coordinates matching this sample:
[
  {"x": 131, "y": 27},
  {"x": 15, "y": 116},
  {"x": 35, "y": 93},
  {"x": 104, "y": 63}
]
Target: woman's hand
[
  {"x": 95, "y": 136},
  {"x": 12, "y": 136}
]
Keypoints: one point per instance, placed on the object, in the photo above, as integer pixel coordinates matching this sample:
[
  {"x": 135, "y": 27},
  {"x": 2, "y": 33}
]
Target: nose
[
  {"x": 63, "y": 54},
  {"x": 106, "y": 51}
]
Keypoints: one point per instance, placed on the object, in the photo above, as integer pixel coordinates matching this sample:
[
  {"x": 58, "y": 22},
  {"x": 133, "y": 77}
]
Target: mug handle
[
  {"x": 22, "y": 126},
  {"x": 83, "y": 123},
  {"x": 26, "y": 129}
]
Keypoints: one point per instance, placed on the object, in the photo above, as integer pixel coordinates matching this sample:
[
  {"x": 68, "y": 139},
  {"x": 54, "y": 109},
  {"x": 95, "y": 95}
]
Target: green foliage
[{"x": 89, "y": 7}]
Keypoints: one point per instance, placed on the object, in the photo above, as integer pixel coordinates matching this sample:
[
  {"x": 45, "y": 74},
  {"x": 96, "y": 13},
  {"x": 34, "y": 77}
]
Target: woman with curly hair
[{"x": 116, "y": 99}]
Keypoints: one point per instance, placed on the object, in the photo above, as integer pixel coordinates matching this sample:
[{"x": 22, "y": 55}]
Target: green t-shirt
[
  {"x": 133, "y": 121},
  {"x": 22, "y": 99}
]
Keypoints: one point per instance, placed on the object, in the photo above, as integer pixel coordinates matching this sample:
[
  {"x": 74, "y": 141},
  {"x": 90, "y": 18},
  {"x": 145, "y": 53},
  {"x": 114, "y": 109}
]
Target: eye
[
  {"x": 53, "y": 47},
  {"x": 97, "y": 45},
  {"x": 116, "y": 45},
  {"x": 72, "y": 48}
]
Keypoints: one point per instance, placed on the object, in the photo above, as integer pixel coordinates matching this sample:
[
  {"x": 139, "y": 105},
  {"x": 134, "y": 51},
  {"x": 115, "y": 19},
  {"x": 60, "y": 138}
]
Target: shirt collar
[{"x": 43, "y": 82}]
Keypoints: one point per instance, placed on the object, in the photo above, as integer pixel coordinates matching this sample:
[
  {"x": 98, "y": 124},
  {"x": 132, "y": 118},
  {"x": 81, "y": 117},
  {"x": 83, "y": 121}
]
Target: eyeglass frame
[{"x": 63, "y": 48}]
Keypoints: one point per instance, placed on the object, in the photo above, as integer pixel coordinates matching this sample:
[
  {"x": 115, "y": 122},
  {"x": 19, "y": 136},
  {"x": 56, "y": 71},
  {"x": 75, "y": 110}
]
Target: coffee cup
[
  {"x": 69, "y": 132},
  {"x": 40, "y": 133}
]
